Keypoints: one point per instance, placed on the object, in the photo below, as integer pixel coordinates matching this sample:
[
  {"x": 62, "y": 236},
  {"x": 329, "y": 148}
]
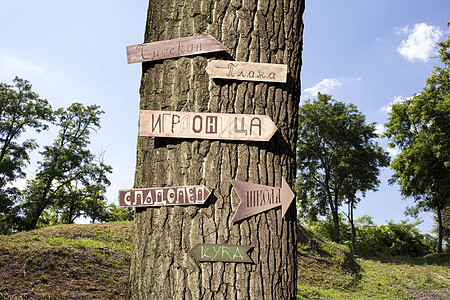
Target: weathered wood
[
  {"x": 248, "y": 71},
  {"x": 167, "y": 196},
  {"x": 192, "y": 45},
  {"x": 256, "y": 198},
  {"x": 223, "y": 253},
  {"x": 206, "y": 125}
]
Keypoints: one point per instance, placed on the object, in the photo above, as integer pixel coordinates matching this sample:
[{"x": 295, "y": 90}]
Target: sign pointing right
[{"x": 256, "y": 198}]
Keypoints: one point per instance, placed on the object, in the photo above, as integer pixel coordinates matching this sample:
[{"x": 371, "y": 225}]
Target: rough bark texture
[{"x": 266, "y": 31}]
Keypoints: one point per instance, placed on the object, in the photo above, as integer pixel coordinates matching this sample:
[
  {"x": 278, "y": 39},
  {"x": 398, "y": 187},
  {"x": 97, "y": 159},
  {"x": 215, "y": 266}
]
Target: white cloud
[
  {"x": 421, "y": 41},
  {"x": 388, "y": 108},
  {"x": 18, "y": 66},
  {"x": 393, "y": 152},
  {"x": 379, "y": 129},
  {"x": 20, "y": 183},
  {"x": 329, "y": 84}
]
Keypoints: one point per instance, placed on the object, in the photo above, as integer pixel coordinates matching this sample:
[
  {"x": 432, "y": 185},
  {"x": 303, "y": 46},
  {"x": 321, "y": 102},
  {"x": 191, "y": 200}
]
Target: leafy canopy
[
  {"x": 420, "y": 128},
  {"x": 336, "y": 156},
  {"x": 70, "y": 179},
  {"x": 21, "y": 109}
]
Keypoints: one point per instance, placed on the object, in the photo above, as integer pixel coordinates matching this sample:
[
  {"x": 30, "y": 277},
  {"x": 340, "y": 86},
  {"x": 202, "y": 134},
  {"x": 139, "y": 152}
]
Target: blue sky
[{"x": 368, "y": 53}]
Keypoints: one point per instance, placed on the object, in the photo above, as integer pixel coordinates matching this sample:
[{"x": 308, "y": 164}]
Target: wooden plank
[
  {"x": 237, "y": 70},
  {"x": 167, "y": 196},
  {"x": 178, "y": 47},
  {"x": 206, "y": 125},
  {"x": 256, "y": 198},
  {"x": 224, "y": 253}
]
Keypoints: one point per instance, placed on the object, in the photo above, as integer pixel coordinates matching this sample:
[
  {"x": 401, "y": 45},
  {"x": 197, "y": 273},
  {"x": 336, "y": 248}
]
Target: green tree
[
  {"x": 391, "y": 239},
  {"x": 116, "y": 213},
  {"x": 268, "y": 31},
  {"x": 336, "y": 157},
  {"x": 21, "y": 109},
  {"x": 420, "y": 128},
  {"x": 68, "y": 174}
]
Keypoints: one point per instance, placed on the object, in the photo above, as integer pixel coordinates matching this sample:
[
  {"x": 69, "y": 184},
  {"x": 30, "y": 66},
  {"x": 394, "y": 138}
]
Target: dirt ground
[{"x": 56, "y": 268}]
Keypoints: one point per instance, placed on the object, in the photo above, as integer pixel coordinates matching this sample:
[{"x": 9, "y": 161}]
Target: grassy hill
[
  {"x": 92, "y": 262},
  {"x": 66, "y": 262},
  {"x": 329, "y": 271}
]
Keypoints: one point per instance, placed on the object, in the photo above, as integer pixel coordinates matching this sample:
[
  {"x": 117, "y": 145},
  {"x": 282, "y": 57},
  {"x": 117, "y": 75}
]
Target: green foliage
[
  {"x": 402, "y": 239},
  {"x": 119, "y": 214},
  {"x": 420, "y": 128},
  {"x": 336, "y": 157},
  {"x": 43, "y": 278},
  {"x": 325, "y": 227},
  {"x": 70, "y": 179},
  {"x": 391, "y": 239},
  {"x": 445, "y": 226},
  {"x": 21, "y": 109}
]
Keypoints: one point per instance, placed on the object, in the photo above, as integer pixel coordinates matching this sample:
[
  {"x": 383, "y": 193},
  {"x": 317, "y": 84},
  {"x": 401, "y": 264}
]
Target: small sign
[
  {"x": 184, "y": 46},
  {"x": 224, "y": 253},
  {"x": 167, "y": 196},
  {"x": 247, "y": 71},
  {"x": 256, "y": 198},
  {"x": 206, "y": 125}
]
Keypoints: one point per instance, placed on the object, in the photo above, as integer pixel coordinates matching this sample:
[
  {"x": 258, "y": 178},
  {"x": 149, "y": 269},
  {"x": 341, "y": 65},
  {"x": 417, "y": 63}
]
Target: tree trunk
[
  {"x": 352, "y": 226},
  {"x": 266, "y": 31},
  {"x": 334, "y": 206},
  {"x": 440, "y": 230}
]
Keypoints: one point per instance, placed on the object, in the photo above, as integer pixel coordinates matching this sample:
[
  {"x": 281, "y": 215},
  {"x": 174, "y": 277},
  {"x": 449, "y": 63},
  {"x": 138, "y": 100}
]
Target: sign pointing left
[
  {"x": 224, "y": 253},
  {"x": 185, "y": 46},
  {"x": 167, "y": 196},
  {"x": 256, "y": 198}
]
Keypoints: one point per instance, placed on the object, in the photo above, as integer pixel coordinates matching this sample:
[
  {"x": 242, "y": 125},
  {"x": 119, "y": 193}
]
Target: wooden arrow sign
[
  {"x": 256, "y": 198},
  {"x": 206, "y": 125},
  {"x": 224, "y": 253},
  {"x": 184, "y": 46},
  {"x": 168, "y": 196},
  {"x": 247, "y": 71}
]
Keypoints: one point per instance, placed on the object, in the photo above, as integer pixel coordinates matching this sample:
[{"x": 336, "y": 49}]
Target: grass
[
  {"x": 328, "y": 271},
  {"x": 92, "y": 262},
  {"x": 88, "y": 261}
]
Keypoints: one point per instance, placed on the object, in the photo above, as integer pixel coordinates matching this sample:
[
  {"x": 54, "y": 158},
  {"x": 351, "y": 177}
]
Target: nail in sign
[
  {"x": 184, "y": 46},
  {"x": 247, "y": 71},
  {"x": 206, "y": 125},
  {"x": 256, "y": 198},
  {"x": 168, "y": 196},
  {"x": 224, "y": 253}
]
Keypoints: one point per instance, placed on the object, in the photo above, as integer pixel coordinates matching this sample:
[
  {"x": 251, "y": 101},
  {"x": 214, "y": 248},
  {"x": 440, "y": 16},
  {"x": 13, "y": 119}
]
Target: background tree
[
  {"x": 256, "y": 31},
  {"x": 68, "y": 173},
  {"x": 391, "y": 239},
  {"x": 119, "y": 214},
  {"x": 336, "y": 157},
  {"x": 420, "y": 128},
  {"x": 20, "y": 109}
]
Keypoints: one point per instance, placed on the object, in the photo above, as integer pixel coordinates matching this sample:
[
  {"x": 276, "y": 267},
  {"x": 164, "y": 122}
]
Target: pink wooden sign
[
  {"x": 206, "y": 125},
  {"x": 238, "y": 70},
  {"x": 167, "y": 196},
  {"x": 256, "y": 198},
  {"x": 178, "y": 47}
]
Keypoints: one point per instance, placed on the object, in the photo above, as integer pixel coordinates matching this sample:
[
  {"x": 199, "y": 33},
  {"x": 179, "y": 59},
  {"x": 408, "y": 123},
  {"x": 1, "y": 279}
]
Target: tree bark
[
  {"x": 266, "y": 31},
  {"x": 352, "y": 226},
  {"x": 440, "y": 230}
]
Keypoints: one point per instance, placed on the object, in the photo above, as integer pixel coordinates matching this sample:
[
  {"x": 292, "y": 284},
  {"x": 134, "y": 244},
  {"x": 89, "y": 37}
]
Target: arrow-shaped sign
[
  {"x": 214, "y": 126},
  {"x": 256, "y": 198},
  {"x": 224, "y": 253},
  {"x": 167, "y": 196},
  {"x": 238, "y": 70},
  {"x": 184, "y": 46}
]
